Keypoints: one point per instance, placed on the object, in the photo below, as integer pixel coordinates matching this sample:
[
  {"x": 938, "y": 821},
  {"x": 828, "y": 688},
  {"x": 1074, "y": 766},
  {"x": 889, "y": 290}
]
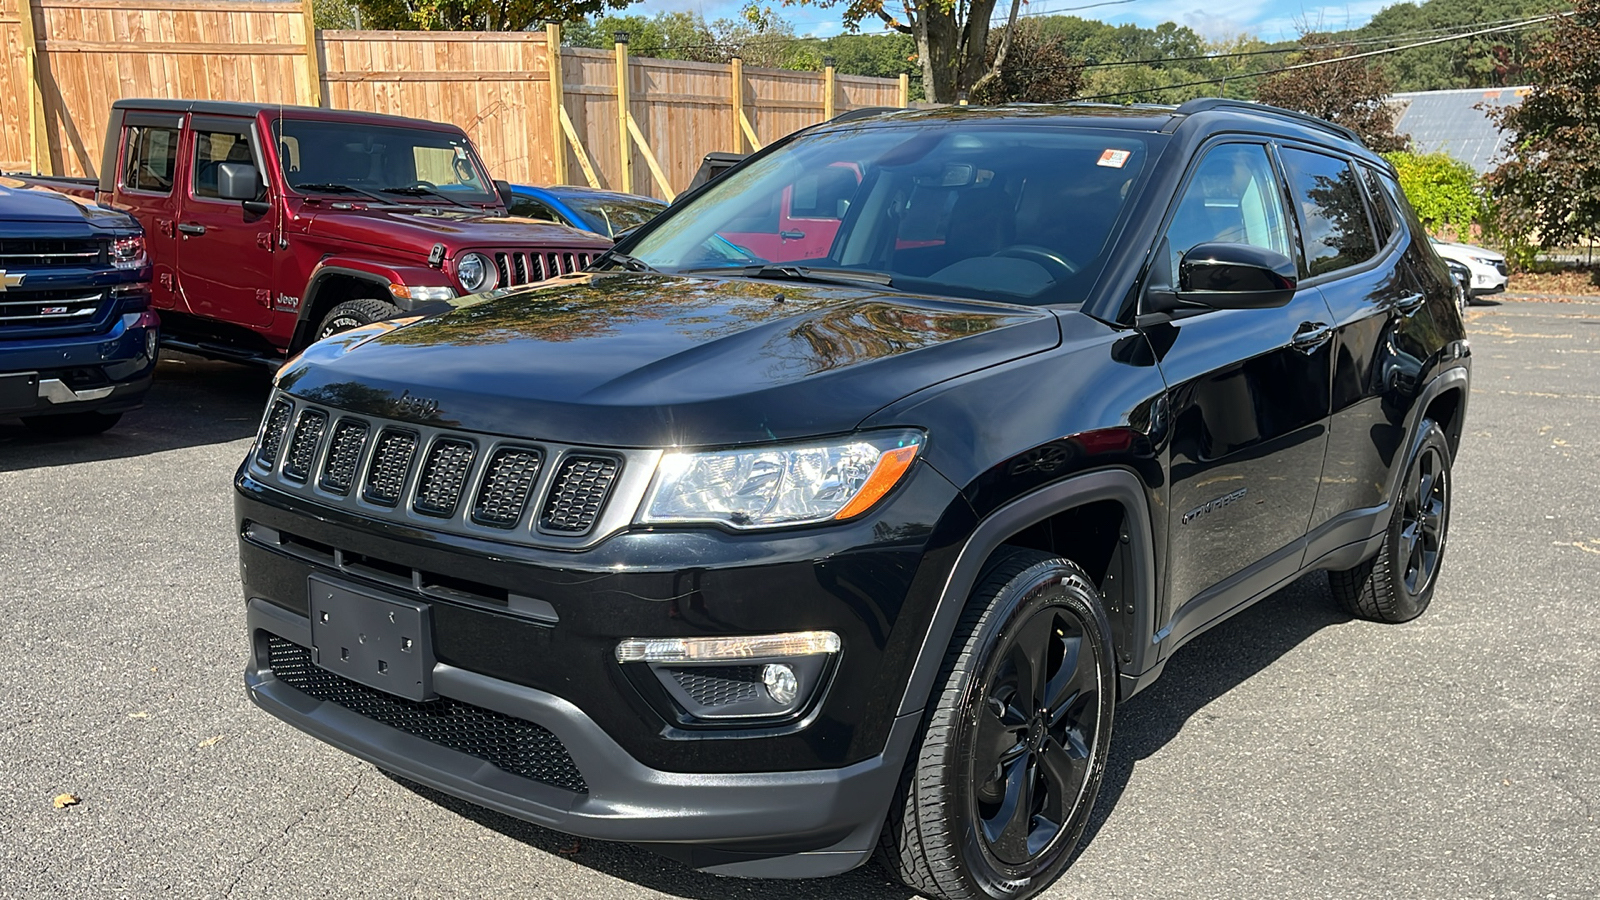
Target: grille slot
[
  {"x": 17, "y": 253},
  {"x": 344, "y": 456},
  {"x": 715, "y": 686},
  {"x": 514, "y": 745},
  {"x": 48, "y": 308},
  {"x": 391, "y": 463},
  {"x": 272, "y": 434},
  {"x": 444, "y": 473},
  {"x": 303, "y": 446},
  {"x": 507, "y": 482},
  {"x": 579, "y": 493}
]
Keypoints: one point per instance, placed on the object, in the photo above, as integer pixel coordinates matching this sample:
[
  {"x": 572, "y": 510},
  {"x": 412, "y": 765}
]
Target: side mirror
[
  {"x": 1236, "y": 276},
  {"x": 503, "y": 188},
  {"x": 239, "y": 181}
]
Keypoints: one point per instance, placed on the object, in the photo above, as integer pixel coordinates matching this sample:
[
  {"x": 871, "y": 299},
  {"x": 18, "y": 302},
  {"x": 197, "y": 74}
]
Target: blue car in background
[{"x": 603, "y": 212}]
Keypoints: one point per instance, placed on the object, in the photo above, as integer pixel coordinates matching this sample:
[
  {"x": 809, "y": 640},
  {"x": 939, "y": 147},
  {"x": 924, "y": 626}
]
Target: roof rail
[
  {"x": 1206, "y": 104},
  {"x": 850, "y": 115}
]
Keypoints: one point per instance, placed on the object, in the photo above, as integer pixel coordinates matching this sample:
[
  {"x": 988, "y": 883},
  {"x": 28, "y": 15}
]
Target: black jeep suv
[{"x": 837, "y": 508}]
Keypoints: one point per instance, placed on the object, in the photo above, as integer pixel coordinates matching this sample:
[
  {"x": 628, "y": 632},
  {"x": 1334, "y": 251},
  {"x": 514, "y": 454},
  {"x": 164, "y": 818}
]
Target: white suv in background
[{"x": 1488, "y": 267}]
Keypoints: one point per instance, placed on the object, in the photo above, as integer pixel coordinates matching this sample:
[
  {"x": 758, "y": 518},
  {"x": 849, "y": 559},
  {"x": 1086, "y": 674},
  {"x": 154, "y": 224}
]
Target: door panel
[
  {"x": 224, "y": 253},
  {"x": 147, "y": 190}
]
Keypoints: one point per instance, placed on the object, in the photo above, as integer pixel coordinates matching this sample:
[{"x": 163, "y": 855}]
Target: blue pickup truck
[{"x": 78, "y": 340}]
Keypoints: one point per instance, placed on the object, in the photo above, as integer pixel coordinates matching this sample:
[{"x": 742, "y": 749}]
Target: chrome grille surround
[{"x": 504, "y": 488}]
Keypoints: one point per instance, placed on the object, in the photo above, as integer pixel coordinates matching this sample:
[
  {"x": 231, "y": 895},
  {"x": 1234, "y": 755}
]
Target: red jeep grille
[{"x": 518, "y": 267}]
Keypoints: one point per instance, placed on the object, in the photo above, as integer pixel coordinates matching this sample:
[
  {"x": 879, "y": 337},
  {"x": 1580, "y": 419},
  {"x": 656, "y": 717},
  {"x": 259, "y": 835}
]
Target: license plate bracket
[
  {"x": 19, "y": 391},
  {"x": 372, "y": 637}
]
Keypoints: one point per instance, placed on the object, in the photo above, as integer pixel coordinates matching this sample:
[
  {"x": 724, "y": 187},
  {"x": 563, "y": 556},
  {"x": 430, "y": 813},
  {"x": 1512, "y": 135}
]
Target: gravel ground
[{"x": 1290, "y": 752}]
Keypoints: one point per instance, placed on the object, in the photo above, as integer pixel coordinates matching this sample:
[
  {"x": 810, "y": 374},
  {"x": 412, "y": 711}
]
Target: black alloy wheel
[
  {"x": 996, "y": 799},
  {"x": 1397, "y": 584}
]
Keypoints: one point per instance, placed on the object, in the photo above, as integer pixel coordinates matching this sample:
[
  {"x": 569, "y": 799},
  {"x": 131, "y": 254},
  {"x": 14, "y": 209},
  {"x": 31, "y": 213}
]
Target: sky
[{"x": 1270, "y": 20}]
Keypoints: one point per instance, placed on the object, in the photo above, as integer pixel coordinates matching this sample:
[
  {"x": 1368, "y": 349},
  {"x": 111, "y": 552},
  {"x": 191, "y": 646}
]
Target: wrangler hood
[{"x": 644, "y": 360}]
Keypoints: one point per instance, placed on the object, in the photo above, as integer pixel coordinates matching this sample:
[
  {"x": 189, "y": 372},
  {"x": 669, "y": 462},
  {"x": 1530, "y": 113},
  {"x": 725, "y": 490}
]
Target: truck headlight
[
  {"x": 794, "y": 484},
  {"x": 476, "y": 272},
  {"x": 127, "y": 252}
]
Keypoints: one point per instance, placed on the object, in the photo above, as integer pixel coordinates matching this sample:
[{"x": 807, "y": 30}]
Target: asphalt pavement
[{"x": 1290, "y": 752}]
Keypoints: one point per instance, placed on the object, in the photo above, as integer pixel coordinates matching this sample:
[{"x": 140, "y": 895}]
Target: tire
[
  {"x": 1463, "y": 296},
  {"x": 83, "y": 424},
  {"x": 354, "y": 314},
  {"x": 949, "y": 833},
  {"x": 1397, "y": 584}
]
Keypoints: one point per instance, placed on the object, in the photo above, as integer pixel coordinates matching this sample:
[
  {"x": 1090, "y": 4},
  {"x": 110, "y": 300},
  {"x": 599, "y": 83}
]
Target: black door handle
[
  {"x": 191, "y": 228},
  {"x": 1410, "y": 302},
  {"x": 791, "y": 235},
  {"x": 1310, "y": 336}
]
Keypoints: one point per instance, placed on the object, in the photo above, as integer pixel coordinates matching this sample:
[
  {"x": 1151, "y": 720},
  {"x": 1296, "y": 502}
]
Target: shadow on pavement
[
  {"x": 193, "y": 402},
  {"x": 1203, "y": 671}
]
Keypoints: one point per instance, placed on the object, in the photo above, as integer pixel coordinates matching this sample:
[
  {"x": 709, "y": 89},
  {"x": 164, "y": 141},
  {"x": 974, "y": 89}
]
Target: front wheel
[
  {"x": 354, "y": 314},
  {"x": 1397, "y": 584},
  {"x": 996, "y": 798}
]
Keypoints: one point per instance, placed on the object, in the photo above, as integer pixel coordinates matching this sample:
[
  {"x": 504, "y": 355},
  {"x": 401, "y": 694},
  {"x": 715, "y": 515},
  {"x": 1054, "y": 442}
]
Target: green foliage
[
  {"x": 331, "y": 14},
  {"x": 1492, "y": 60},
  {"x": 1442, "y": 190},
  {"x": 1037, "y": 68},
  {"x": 758, "y": 36},
  {"x": 1549, "y": 194},
  {"x": 476, "y": 15}
]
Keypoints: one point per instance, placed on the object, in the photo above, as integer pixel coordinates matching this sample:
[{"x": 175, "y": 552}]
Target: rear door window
[
  {"x": 151, "y": 158},
  {"x": 1334, "y": 228}
]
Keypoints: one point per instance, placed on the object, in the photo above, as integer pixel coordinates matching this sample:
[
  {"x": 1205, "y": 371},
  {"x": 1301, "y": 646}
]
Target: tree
[
  {"x": 1038, "y": 69},
  {"x": 477, "y": 15},
  {"x": 1549, "y": 193},
  {"x": 328, "y": 14},
  {"x": 1442, "y": 189},
  {"x": 1345, "y": 91}
]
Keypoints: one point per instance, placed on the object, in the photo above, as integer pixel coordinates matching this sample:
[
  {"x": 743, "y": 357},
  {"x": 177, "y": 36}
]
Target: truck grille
[
  {"x": 514, "y": 745},
  {"x": 526, "y": 268},
  {"x": 447, "y": 479},
  {"x": 41, "y": 253},
  {"x": 47, "y": 309}
]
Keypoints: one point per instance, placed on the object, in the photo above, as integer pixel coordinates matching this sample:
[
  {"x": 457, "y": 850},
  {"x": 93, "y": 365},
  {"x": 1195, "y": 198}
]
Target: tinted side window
[
  {"x": 1333, "y": 217},
  {"x": 1232, "y": 198},
  {"x": 211, "y": 149},
  {"x": 152, "y": 155},
  {"x": 1383, "y": 208}
]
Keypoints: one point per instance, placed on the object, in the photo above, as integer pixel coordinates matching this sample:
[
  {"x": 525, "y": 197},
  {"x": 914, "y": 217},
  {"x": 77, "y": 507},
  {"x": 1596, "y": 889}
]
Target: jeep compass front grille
[
  {"x": 447, "y": 479},
  {"x": 514, "y": 745}
]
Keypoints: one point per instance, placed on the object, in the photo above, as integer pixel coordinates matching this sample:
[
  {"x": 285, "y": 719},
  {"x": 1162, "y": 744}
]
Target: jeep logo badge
[{"x": 10, "y": 281}]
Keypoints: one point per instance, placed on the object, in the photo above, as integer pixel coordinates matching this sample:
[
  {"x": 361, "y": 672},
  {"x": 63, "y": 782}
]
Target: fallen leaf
[
  {"x": 141, "y": 714},
  {"x": 62, "y": 801},
  {"x": 211, "y": 742}
]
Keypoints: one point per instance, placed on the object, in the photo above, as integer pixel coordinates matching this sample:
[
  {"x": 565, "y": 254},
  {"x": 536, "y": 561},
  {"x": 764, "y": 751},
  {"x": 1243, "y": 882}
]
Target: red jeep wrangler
[{"x": 271, "y": 226}]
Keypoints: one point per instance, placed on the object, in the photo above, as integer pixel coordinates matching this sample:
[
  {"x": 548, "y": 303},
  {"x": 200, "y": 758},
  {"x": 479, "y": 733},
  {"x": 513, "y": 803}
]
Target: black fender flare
[{"x": 1119, "y": 485}]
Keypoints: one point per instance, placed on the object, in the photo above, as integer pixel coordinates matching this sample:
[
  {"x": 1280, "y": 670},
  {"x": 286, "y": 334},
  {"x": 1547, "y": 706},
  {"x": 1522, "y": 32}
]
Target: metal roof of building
[{"x": 1451, "y": 122}]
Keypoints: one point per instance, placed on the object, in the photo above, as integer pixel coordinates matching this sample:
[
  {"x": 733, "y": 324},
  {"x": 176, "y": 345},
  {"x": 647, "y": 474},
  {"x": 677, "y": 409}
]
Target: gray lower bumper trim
[
  {"x": 56, "y": 391},
  {"x": 834, "y": 814}
]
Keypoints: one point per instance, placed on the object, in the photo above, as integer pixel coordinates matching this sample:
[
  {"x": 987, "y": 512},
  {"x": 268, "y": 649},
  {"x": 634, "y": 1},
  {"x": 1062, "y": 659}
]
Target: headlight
[
  {"x": 1483, "y": 260},
  {"x": 475, "y": 272},
  {"x": 796, "y": 484},
  {"x": 128, "y": 252},
  {"x": 421, "y": 292}
]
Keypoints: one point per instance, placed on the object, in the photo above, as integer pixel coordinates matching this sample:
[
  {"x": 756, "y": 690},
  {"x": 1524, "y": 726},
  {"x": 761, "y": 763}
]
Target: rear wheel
[
  {"x": 996, "y": 798},
  {"x": 354, "y": 314},
  {"x": 80, "y": 424},
  {"x": 1397, "y": 584}
]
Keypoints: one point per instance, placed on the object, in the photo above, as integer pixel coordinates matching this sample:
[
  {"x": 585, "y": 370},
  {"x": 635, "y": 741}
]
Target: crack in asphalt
[{"x": 283, "y": 836}]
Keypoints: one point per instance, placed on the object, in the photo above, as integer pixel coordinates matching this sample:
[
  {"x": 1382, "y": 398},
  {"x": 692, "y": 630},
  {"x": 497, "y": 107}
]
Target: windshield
[
  {"x": 379, "y": 158},
  {"x": 611, "y": 217},
  {"x": 995, "y": 212}
]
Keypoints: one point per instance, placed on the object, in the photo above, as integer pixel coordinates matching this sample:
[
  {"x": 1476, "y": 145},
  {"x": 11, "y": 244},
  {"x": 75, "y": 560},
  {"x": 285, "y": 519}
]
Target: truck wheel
[
  {"x": 1397, "y": 584},
  {"x": 995, "y": 799},
  {"x": 354, "y": 314},
  {"x": 80, "y": 424}
]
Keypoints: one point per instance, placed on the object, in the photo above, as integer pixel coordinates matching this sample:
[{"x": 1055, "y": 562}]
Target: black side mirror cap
[
  {"x": 238, "y": 181},
  {"x": 503, "y": 188},
  {"x": 1236, "y": 276}
]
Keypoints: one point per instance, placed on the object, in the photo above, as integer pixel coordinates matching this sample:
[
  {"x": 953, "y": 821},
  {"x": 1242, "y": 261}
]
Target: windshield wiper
[
  {"x": 800, "y": 273},
  {"x": 333, "y": 187},
  {"x": 417, "y": 190},
  {"x": 623, "y": 260}
]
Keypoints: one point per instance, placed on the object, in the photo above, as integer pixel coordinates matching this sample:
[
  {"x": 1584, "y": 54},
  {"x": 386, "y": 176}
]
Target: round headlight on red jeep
[{"x": 475, "y": 272}]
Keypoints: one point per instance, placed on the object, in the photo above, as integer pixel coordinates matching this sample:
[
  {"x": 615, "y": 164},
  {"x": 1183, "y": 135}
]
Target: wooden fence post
[
  {"x": 38, "y": 126},
  {"x": 905, "y": 91},
  {"x": 625, "y": 174},
  {"x": 829, "y": 88},
  {"x": 558, "y": 106},
  {"x": 313, "y": 66},
  {"x": 736, "y": 70}
]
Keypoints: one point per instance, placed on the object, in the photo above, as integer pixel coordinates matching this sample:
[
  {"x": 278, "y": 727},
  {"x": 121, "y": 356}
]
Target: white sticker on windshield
[
  {"x": 461, "y": 152},
  {"x": 1116, "y": 159}
]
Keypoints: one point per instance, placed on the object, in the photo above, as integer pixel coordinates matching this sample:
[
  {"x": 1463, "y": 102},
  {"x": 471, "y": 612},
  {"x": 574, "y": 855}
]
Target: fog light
[{"x": 782, "y": 685}]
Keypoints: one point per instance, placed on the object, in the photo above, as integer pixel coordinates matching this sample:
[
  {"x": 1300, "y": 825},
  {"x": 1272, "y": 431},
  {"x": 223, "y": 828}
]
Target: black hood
[{"x": 642, "y": 360}]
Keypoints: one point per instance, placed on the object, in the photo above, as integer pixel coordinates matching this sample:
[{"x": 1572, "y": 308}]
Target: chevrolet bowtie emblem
[{"x": 10, "y": 281}]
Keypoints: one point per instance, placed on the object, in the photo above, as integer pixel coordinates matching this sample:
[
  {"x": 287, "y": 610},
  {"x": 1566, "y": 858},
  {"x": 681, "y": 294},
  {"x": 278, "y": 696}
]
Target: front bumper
[
  {"x": 109, "y": 372},
  {"x": 1487, "y": 279},
  {"x": 806, "y": 798}
]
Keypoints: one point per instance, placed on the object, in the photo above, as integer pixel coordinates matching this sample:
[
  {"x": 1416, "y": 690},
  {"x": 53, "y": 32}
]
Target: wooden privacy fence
[{"x": 618, "y": 122}]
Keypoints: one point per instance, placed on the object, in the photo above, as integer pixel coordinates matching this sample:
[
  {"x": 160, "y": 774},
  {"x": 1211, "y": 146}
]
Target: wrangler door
[
  {"x": 224, "y": 251},
  {"x": 1249, "y": 402}
]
